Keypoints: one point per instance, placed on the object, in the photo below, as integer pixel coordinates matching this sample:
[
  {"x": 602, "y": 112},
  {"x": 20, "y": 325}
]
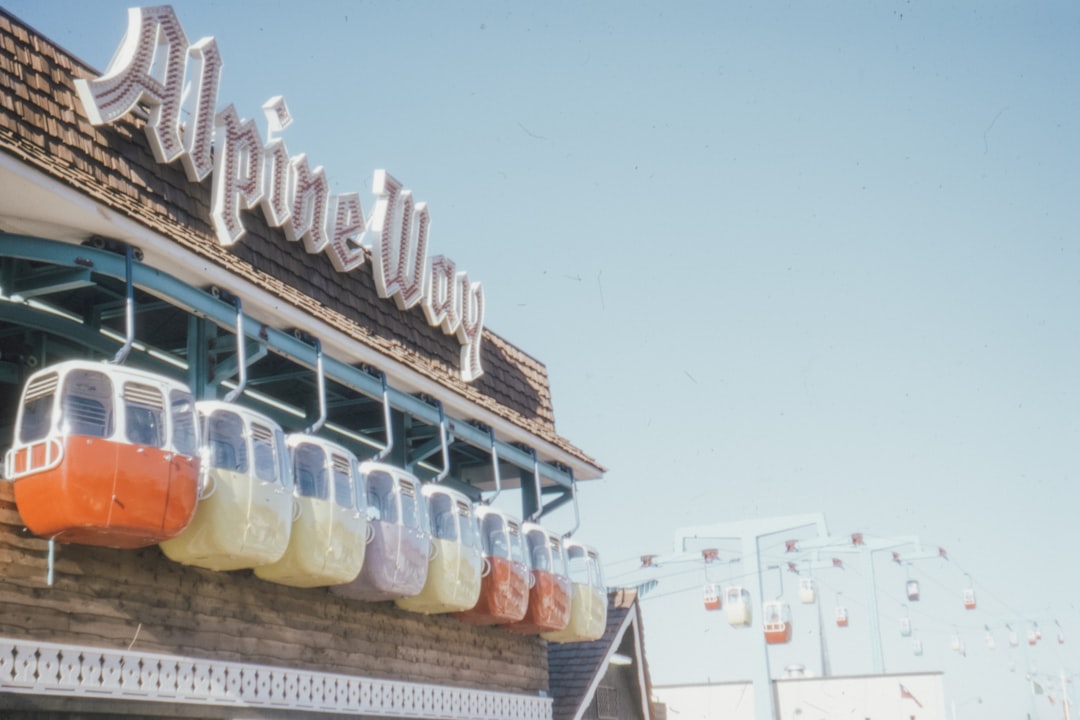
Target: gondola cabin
[
  {"x": 905, "y": 627},
  {"x": 807, "y": 590},
  {"x": 328, "y": 537},
  {"x": 456, "y": 562},
  {"x": 504, "y": 587},
  {"x": 550, "y": 592},
  {"x": 841, "y": 617},
  {"x": 969, "y": 598},
  {"x": 104, "y": 455},
  {"x": 776, "y": 618},
  {"x": 396, "y": 560},
  {"x": 244, "y": 516},
  {"x": 712, "y": 596},
  {"x": 737, "y": 606},
  {"x": 916, "y": 647},
  {"x": 588, "y": 604},
  {"x": 912, "y": 590}
]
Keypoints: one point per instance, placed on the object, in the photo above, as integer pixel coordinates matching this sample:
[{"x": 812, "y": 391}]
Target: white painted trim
[
  {"x": 630, "y": 621},
  {"x": 37, "y": 668}
]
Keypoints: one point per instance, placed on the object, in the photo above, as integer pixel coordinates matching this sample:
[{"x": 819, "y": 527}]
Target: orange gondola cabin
[
  {"x": 504, "y": 587},
  {"x": 712, "y": 596},
  {"x": 777, "y": 622},
  {"x": 550, "y": 595},
  {"x": 104, "y": 455}
]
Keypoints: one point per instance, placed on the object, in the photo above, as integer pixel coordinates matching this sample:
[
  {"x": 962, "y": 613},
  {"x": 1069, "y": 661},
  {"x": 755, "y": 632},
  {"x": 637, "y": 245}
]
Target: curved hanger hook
[
  {"x": 494, "y": 467},
  {"x": 321, "y": 377},
  {"x": 241, "y": 350},
  {"x": 129, "y": 310},
  {"x": 387, "y": 417},
  {"x": 577, "y": 512},
  {"x": 445, "y": 445}
]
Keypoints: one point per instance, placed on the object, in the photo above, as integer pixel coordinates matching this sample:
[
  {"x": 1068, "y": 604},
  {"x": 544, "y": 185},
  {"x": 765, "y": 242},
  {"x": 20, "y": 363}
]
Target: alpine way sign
[{"x": 156, "y": 66}]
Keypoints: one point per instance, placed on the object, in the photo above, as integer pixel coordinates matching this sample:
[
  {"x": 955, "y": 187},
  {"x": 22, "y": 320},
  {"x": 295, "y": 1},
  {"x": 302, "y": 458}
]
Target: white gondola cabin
[
  {"x": 455, "y": 565},
  {"x": 396, "y": 561},
  {"x": 244, "y": 515},
  {"x": 911, "y": 587},
  {"x": 737, "y": 606},
  {"x": 328, "y": 537},
  {"x": 969, "y": 598},
  {"x": 905, "y": 627},
  {"x": 588, "y": 604},
  {"x": 104, "y": 455},
  {"x": 841, "y": 617},
  {"x": 712, "y": 594},
  {"x": 550, "y": 592},
  {"x": 504, "y": 588},
  {"x": 776, "y": 618},
  {"x": 807, "y": 590}
]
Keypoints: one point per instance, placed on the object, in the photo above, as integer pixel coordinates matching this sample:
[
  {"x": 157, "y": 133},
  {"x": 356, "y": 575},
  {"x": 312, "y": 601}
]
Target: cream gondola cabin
[
  {"x": 911, "y": 587},
  {"x": 328, "y": 537},
  {"x": 244, "y": 515},
  {"x": 456, "y": 563},
  {"x": 399, "y": 542},
  {"x": 588, "y": 604},
  {"x": 807, "y": 590},
  {"x": 737, "y": 606},
  {"x": 550, "y": 593},
  {"x": 104, "y": 455},
  {"x": 504, "y": 588}
]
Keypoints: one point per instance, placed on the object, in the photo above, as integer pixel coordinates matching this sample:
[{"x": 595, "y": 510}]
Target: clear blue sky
[{"x": 779, "y": 258}]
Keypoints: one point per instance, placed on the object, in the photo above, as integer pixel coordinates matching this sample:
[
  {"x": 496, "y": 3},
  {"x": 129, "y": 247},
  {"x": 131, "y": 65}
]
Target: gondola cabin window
[
  {"x": 468, "y": 529},
  {"x": 86, "y": 407},
  {"x": 225, "y": 438},
  {"x": 144, "y": 412},
  {"x": 37, "y": 409},
  {"x": 309, "y": 464},
  {"x": 380, "y": 497},
  {"x": 267, "y": 464},
  {"x": 494, "y": 531},
  {"x": 412, "y": 514},
  {"x": 538, "y": 551},
  {"x": 185, "y": 438},
  {"x": 443, "y": 523},
  {"x": 343, "y": 481}
]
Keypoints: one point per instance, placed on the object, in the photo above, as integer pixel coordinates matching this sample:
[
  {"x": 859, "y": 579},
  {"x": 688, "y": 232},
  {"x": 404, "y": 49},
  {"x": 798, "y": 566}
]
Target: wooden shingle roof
[
  {"x": 43, "y": 124},
  {"x": 575, "y": 670}
]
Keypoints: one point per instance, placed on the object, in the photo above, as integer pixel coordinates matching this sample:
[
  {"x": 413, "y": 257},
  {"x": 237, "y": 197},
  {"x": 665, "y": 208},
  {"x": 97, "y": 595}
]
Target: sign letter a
[{"x": 148, "y": 67}]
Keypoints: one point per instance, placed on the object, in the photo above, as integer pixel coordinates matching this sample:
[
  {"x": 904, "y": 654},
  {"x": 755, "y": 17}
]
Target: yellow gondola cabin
[{"x": 244, "y": 517}]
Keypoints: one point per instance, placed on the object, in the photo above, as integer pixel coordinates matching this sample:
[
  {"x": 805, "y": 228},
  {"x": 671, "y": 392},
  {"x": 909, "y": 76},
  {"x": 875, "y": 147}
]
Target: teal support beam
[{"x": 203, "y": 305}]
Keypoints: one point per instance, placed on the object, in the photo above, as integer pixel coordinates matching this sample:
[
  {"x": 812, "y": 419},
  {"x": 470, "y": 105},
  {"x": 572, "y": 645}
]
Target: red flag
[{"x": 906, "y": 694}]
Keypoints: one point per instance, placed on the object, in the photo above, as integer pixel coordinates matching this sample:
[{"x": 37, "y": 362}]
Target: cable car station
[{"x": 249, "y": 459}]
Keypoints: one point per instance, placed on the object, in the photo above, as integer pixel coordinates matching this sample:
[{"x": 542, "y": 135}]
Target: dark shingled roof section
[
  {"x": 43, "y": 123},
  {"x": 572, "y": 667}
]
